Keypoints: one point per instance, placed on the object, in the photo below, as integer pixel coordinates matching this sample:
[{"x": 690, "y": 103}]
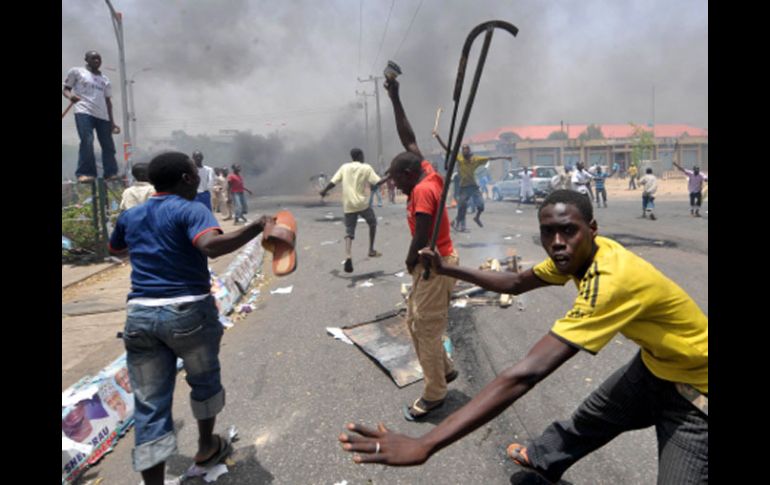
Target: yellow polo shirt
[
  {"x": 623, "y": 293},
  {"x": 467, "y": 169}
]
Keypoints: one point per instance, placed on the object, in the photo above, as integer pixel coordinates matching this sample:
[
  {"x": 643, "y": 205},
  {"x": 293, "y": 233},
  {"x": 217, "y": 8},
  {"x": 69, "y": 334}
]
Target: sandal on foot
[
  {"x": 348, "y": 265},
  {"x": 374, "y": 254},
  {"x": 421, "y": 408},
  {"x": 452, "y": 376},
  {"x": 225, "y": 449},
  {"x": 518, "y": 453}
]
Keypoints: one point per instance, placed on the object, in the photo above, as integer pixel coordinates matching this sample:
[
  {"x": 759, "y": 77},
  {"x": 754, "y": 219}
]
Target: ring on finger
[{"x": 377, "y": 447}]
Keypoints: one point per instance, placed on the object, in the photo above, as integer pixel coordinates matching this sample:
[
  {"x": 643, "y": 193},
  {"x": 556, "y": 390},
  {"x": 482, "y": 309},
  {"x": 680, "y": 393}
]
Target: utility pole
[
  {"x": 117, "y": 23},
  {"x": 366, "y": 115},
  {"x": 376, "y": 80}
]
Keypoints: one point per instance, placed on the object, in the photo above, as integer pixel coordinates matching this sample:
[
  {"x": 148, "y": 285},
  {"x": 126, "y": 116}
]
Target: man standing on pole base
[
  {"x": 171, "y": 313},
  {"x": 428, "y": 302},
  {"x": 664, "y": 385},
  {"x": 355, "y": 176},
  {"x": 91, "y": 92}
]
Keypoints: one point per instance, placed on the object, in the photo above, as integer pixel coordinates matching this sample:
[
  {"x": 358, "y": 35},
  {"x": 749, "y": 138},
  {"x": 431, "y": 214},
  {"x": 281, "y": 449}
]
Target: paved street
[{"x": 291, "y": 387}]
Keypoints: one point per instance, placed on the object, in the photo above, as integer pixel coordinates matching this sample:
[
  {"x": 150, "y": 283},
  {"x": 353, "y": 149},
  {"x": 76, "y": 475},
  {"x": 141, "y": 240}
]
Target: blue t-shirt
[
  {"x": 599, "y": 179},
  {"x": 160, "y": 236}
]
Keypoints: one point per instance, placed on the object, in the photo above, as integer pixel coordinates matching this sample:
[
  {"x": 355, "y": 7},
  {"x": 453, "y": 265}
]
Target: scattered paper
[
  {"x": 282, "y": 291},
  {"x": 460, "y": 303},
  {"x": 518, "y": 235},
  {"x": 79, "y": 396},
  {"x": 337, "y": 333},
  {"x": 508, "y": 238},
  {"x": 338, "y": 223},
  {"x": 215, "y": 472},
  {"x": 329, "y": 215},
  {"x": 344, "y": 482},
  {"x": 326, "y": 243},
  {"x": 68, "y": 444},
  {"x": 518, "y": 211},
  {"x": 366, "y": 284},
  {"x": 400, "y": 274}
]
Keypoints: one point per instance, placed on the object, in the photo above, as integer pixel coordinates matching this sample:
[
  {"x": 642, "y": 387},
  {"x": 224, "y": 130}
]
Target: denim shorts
[{"x": 154, "y": 337}]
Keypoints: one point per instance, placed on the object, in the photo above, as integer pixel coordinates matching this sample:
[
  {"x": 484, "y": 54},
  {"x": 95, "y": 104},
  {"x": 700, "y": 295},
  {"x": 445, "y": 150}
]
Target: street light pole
[
  {"x": 133, "y": 108},
  {"x": 117, "y": 23}
]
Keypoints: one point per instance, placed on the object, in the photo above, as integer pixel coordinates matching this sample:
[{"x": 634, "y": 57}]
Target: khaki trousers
[{"x": 426, "y": 318}]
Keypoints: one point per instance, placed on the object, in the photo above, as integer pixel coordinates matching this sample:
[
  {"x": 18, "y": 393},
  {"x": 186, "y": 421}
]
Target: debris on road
[
  {"x": 282, "y": 291},
  {"x": 365, "y": 284},
  {"x": 338, "y": 334}
]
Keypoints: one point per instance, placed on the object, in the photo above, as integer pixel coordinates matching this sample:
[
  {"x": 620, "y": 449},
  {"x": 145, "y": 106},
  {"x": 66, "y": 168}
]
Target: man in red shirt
[
  {"x": 236, "y": 188},
  {"x": 428, "y": 302}
]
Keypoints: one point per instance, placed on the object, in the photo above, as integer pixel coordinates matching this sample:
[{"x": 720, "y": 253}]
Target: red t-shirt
[
  {"x": 425, "y": 199},
  {"x": 236, "y": 182}
]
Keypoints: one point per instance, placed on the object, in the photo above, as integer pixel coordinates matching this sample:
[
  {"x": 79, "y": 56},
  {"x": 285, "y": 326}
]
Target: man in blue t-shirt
[{"x": 171, "y": 313}]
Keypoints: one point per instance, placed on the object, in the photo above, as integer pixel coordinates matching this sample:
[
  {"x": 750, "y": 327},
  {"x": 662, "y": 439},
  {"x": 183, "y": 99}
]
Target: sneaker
[
  {"x": 348, "y": 265},
  {"x": 652, "y": 216},
  {"x": 477, "y": 219}
]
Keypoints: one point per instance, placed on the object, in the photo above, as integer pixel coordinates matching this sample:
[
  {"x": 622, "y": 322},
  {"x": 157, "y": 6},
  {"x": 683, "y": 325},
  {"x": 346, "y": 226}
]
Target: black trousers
[
  {"x": 631, "y": 398},
  {"x": 695, "y": 199}
]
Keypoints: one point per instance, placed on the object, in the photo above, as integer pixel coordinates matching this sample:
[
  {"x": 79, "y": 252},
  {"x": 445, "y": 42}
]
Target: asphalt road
[{"x": 291, "y": 387}]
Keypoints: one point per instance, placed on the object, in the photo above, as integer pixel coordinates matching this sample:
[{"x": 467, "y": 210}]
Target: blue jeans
[
  {"x": 379, "y": 197},
  {"x": 154, "y": 337},
  {"x": 239, "y": 201},
  {"x": 204, "y": 198},
  {"x": 468, "y": 194},
  {"x": 86, "y": 124}
]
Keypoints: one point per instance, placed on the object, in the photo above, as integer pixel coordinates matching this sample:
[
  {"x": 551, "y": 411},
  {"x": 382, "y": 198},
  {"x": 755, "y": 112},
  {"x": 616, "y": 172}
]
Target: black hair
[
  {"x": 139, "y": 171},
  {"x": 166, "y": 169},
  {"x": 649, "y": 170},
  {"x": 405, "y": 161},
  {"x": 357, "y": 154},
  {"x": 580, "y": 201}
]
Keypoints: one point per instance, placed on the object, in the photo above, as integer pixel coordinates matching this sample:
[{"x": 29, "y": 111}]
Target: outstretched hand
[{"x": 383, "y": 446}]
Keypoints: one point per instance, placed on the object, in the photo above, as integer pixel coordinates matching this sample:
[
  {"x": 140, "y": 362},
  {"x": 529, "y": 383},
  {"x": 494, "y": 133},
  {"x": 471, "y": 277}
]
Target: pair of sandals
[{"x": 422, "y": 407}]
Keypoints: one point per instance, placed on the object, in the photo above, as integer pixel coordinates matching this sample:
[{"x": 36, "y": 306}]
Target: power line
[
  {"x": 383, "y": 36},
  {"x": 360, "y": 31},
  {"x": 408, "y": 29}
]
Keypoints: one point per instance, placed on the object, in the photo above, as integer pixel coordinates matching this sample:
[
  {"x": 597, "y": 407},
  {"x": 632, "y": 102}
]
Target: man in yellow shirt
[
  {"x": 355, "y": 176},
  {"x": 665, "y": 385},
  {"x": 467, "y": 163}
]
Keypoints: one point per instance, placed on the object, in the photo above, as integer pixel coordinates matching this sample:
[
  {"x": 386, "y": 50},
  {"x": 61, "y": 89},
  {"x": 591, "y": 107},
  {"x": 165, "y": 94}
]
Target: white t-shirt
[
  {"x": 526, "y": 181},
  {"x": 93, "y": 89},
  {"x": 355, "y": 176},
  {"x": 650, "y": 183},
  {"x": 206, "y": 175},
  {"x": 579, "y": 180}
]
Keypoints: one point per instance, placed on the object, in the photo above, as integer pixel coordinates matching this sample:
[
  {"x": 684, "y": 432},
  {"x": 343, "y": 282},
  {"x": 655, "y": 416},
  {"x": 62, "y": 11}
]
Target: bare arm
[
  {"x": 214, "y": 244},
  {"x": 440, "y": 141},
  {"x": 396, "y": 449},
  {"x": 115, "y": 128},
  {"x": 327, "y": 189},
  {"x": 679, "y": 167},
  {"x": 497, "y": 281},
  {"x": 405, "y": 131},
  {"x": 67, "y": 93},
  {"x": 422, "y": 232}
]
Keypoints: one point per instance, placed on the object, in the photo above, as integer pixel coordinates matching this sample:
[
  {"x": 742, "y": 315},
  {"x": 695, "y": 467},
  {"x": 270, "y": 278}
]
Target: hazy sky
[{"x": 292, "y": 65}]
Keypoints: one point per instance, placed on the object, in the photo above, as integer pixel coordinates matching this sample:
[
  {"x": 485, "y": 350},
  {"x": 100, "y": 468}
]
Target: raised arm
[
  {"x": 440, "y": 141},
  {"x": 405, "y": 131},
  {"x": 681, "y": 169},
  {"x": 497, "y": 281}
]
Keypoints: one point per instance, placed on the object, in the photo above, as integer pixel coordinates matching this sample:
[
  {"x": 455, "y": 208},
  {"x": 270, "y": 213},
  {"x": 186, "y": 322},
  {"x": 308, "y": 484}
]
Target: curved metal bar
[{"x": 451, "y": 157}]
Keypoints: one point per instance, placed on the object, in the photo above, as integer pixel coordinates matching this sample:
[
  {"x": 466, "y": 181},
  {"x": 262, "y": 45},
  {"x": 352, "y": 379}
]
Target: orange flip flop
[{"x": 279, "y": 239}]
